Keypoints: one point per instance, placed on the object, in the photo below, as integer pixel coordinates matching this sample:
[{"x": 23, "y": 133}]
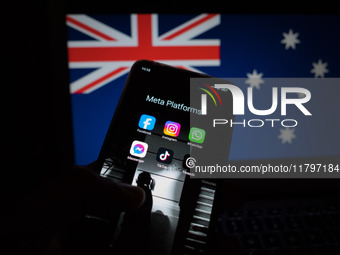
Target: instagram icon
[{"x": 172, "y": 128}]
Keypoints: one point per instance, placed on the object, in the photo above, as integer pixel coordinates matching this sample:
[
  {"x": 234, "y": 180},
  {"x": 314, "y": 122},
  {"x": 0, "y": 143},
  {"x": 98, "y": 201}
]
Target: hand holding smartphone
[{"x": 148, "y": 144}]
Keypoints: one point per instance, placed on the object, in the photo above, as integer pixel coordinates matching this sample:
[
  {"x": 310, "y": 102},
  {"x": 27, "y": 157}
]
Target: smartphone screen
[{"x": 147, "y": 144}]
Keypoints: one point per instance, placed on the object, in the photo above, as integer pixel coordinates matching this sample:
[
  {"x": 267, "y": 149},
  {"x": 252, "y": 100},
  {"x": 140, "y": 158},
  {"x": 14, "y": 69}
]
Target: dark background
[{"x": 36, "y": 112}]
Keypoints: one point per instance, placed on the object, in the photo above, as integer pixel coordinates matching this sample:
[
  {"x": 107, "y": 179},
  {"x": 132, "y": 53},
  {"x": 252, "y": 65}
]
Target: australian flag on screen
[{"x": 102, "y": 48}]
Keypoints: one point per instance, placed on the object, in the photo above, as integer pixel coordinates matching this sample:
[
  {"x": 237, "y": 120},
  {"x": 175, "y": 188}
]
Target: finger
[
  {"x": 95, "y": 166},
  {"x": 108, "y": 194}
]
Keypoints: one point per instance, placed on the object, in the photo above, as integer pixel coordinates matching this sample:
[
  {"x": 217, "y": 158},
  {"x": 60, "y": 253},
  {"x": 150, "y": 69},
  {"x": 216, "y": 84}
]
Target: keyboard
[
  {"x": 283, "y": 230},
  {"x": 275, "y": 230},
  {"x": 196, "y": 237}
]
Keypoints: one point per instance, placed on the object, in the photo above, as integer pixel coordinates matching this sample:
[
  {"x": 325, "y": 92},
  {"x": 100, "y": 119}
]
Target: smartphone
[{"x": 152, "y": 134}]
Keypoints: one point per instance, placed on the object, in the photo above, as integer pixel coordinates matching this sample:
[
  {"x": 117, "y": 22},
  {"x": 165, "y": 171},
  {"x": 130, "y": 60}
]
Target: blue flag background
[{"x": 253, "y": 47}]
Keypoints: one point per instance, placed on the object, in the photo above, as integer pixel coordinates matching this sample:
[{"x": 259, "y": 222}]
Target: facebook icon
[{"x": 147, "y": 122}]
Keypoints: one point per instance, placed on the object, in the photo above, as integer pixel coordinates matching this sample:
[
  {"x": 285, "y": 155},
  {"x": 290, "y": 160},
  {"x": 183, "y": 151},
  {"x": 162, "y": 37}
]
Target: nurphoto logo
[
  {"x": 239, "y": 104},
  {"x": 238, "y": 100}
]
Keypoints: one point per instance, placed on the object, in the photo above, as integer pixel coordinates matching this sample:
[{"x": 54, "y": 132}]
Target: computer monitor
[{"x": 102, "y": 48}]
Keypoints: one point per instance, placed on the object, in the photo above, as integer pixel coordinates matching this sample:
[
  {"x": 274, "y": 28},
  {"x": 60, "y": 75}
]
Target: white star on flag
[
  {"x": 254, "y": 79},
  {"x": 290, "y": 39},
  {"x": 287, "y": 135},
  {"x": 319, "y": 69}
]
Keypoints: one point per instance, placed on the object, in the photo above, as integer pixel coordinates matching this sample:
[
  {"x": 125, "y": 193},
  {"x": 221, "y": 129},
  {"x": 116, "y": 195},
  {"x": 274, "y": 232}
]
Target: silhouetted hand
[{"x": 33, "y": 225}]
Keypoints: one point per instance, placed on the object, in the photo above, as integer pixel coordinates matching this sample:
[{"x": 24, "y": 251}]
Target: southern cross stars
[
  {"x": 287, "y": 135},
  {"x": 254, "y": 79},
  {"x": 290, "y": 39},
  {"x": 319, "y": 69}
]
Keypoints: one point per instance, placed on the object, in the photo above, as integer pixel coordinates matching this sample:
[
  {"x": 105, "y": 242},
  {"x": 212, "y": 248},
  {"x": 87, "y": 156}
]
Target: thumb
[{"x": 106, "y": 194}]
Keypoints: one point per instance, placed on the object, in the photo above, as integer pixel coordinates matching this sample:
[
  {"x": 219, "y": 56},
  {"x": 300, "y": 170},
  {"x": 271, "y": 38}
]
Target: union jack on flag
[{"x": 111, "y": 52}]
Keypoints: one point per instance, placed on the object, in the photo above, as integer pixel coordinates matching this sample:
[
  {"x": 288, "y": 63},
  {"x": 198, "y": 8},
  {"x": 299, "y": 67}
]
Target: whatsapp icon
[{"x": 196, "y": 135}]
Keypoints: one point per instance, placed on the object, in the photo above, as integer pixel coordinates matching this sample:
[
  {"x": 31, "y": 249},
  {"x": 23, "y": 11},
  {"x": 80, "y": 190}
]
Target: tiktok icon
[{"x": 164, "y": 155}]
